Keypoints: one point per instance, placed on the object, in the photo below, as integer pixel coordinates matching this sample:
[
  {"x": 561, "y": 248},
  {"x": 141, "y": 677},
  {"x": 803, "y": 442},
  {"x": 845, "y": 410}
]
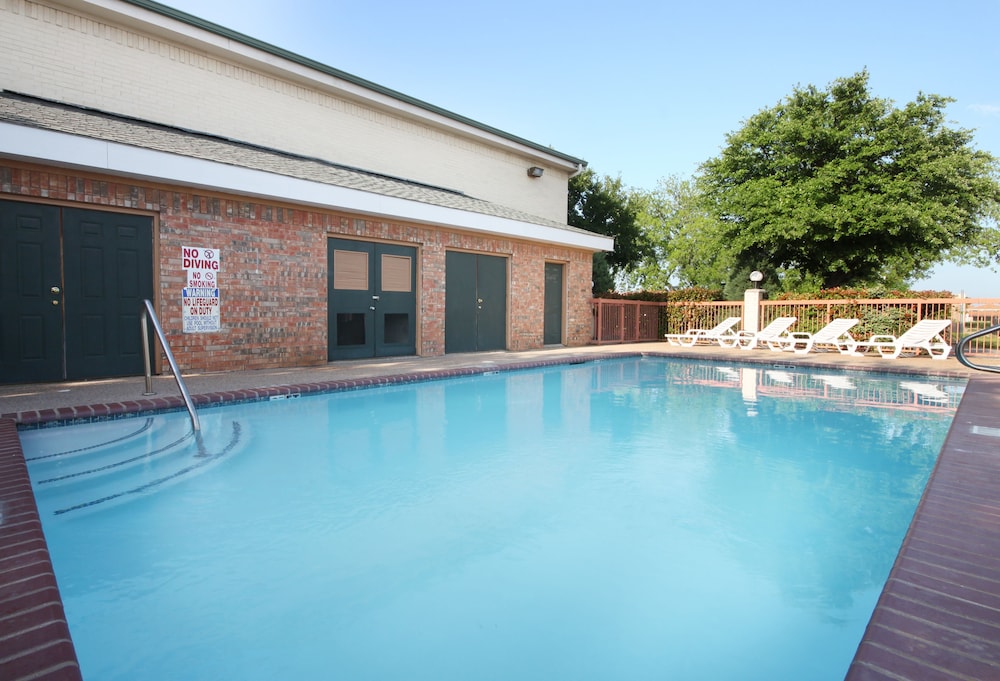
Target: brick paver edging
[{"x": 34, "y": 637}]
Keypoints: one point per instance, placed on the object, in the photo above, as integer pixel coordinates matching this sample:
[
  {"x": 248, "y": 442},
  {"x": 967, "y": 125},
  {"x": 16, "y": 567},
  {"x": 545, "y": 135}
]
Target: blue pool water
[{"x": 627, "y": 519}]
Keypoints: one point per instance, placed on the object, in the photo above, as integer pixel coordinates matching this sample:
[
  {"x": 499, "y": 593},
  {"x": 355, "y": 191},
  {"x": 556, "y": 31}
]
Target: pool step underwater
[{"x": 108, "y": 462}]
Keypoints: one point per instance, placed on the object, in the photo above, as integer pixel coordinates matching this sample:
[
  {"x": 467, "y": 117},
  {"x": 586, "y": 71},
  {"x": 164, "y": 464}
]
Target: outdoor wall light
[{"x": 535, "y": 171}]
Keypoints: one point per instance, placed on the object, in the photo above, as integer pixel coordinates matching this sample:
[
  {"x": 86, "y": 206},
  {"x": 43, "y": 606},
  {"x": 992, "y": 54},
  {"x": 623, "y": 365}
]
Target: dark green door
[
  {"x": 72, "y": 285},
  {"x": 107, "y": 260},
  {"x": 31, "y": 322},
  {"x": 475, "y": 302},
  {"x": 553, "y": 303},
  {"x": 371, "y": 299},
  {"x": 460, "y": 307}
]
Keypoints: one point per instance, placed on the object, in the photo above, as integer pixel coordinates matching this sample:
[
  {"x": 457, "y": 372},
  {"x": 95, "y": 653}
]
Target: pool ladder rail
[
  {"x": 148, "y": 313},
  {"x": 960, "y": 350}
]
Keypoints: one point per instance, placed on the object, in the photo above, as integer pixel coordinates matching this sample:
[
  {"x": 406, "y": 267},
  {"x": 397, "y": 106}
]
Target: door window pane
[
  {"x": 396, "y": 273},
  {"x": 350, "y": 270},
  {"x": 397, "y": 327},
  {"x": 350, "y": 328}
]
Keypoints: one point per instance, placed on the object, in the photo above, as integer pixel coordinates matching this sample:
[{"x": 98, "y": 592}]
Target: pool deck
[{"x": 938, "y": 616}]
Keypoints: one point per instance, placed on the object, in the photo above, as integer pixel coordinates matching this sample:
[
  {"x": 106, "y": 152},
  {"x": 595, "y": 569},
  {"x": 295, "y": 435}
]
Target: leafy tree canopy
[
  {"x": 683, "y": 247},
  {"x": 603, "y": 205},
  {"x": 837, "y": 187}
]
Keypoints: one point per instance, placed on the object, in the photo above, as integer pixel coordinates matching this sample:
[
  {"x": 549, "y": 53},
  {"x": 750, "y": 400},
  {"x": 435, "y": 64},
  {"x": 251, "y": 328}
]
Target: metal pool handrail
[
  {"x": 960, "y": 350},
  {"x": 150, "y": 313}
]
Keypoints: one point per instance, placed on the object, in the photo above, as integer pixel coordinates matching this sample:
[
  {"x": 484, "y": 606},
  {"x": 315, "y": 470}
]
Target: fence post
[
  {"x": 751, "y": 309},
  {"x": 595, "y": 319}
]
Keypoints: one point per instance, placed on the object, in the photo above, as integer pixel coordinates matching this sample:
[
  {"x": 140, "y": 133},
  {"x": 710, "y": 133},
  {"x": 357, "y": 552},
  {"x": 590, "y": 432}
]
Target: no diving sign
[{"x": 200, "y": 308}]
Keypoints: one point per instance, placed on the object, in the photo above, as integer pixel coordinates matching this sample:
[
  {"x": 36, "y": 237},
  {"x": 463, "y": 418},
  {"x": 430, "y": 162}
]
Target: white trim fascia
[{"x": 63, "y": 149}]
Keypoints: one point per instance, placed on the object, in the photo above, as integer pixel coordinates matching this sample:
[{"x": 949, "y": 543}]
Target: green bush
[
  {"x": 863, "y": 294},
  {"x": 694, "y": 294}
]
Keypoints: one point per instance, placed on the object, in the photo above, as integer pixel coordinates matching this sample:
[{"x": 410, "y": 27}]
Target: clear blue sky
[{"x": 645, "y": 90}]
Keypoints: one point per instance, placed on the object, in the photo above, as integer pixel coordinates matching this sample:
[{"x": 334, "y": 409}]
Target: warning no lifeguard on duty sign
[{"x": 200, "y": 298}]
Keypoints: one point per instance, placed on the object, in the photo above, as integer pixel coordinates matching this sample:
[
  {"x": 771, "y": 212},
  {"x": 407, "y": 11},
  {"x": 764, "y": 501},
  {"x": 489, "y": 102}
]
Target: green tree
[
  {"x": 603, "y": 205},
  {"x": 683, "y": 250},
  {"x": 839, "y": 188}
]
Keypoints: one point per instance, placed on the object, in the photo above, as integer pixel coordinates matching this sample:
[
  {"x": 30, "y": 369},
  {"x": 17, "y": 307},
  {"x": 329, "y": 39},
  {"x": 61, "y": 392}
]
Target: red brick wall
[{"x": 273, "y": 269}]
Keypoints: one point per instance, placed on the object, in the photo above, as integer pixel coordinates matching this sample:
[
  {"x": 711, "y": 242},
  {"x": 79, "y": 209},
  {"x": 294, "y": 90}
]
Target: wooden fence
[{"x": 630, "y": 321}]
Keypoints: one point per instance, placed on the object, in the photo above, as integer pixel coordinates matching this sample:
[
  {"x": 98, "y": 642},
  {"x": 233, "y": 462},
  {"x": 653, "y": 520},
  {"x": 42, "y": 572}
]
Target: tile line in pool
[
  {"x": 124, "y": 462},
  {"x": 142, "y": 429}
]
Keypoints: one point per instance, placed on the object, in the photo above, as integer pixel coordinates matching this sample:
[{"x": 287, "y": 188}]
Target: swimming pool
[{"x": 622, "y": 519}]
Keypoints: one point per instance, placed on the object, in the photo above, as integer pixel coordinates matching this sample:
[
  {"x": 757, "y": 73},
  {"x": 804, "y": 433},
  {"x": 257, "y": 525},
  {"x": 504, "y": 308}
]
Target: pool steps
[{"x": 116, "y": 461}]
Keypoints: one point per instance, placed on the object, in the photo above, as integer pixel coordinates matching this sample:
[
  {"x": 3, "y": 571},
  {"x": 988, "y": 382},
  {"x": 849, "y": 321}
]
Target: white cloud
[{"x": 986, "y": 109}]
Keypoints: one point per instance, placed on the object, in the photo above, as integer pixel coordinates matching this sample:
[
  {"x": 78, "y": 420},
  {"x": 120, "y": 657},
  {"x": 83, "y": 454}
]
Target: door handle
[{"x": 55, "y": 290}]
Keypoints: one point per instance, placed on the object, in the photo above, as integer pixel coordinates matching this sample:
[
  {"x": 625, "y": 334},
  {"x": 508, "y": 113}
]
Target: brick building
[{"x": 277, "y": 211}]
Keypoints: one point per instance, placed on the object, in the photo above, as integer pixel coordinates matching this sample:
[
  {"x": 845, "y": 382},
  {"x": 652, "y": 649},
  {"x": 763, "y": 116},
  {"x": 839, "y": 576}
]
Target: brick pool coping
[
  {"x": 939, "y": 613},
  {"x": 34, "y": 636},
  {"x": 937, "y": 618}
]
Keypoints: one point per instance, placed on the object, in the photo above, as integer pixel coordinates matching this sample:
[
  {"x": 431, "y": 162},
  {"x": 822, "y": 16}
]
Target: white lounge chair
[
  {"x": 774, "y": 335},
  {"x": 835, "y": 335},
  {"x": 722, "y": 333},
  {"x": 924, "y": 335}
]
